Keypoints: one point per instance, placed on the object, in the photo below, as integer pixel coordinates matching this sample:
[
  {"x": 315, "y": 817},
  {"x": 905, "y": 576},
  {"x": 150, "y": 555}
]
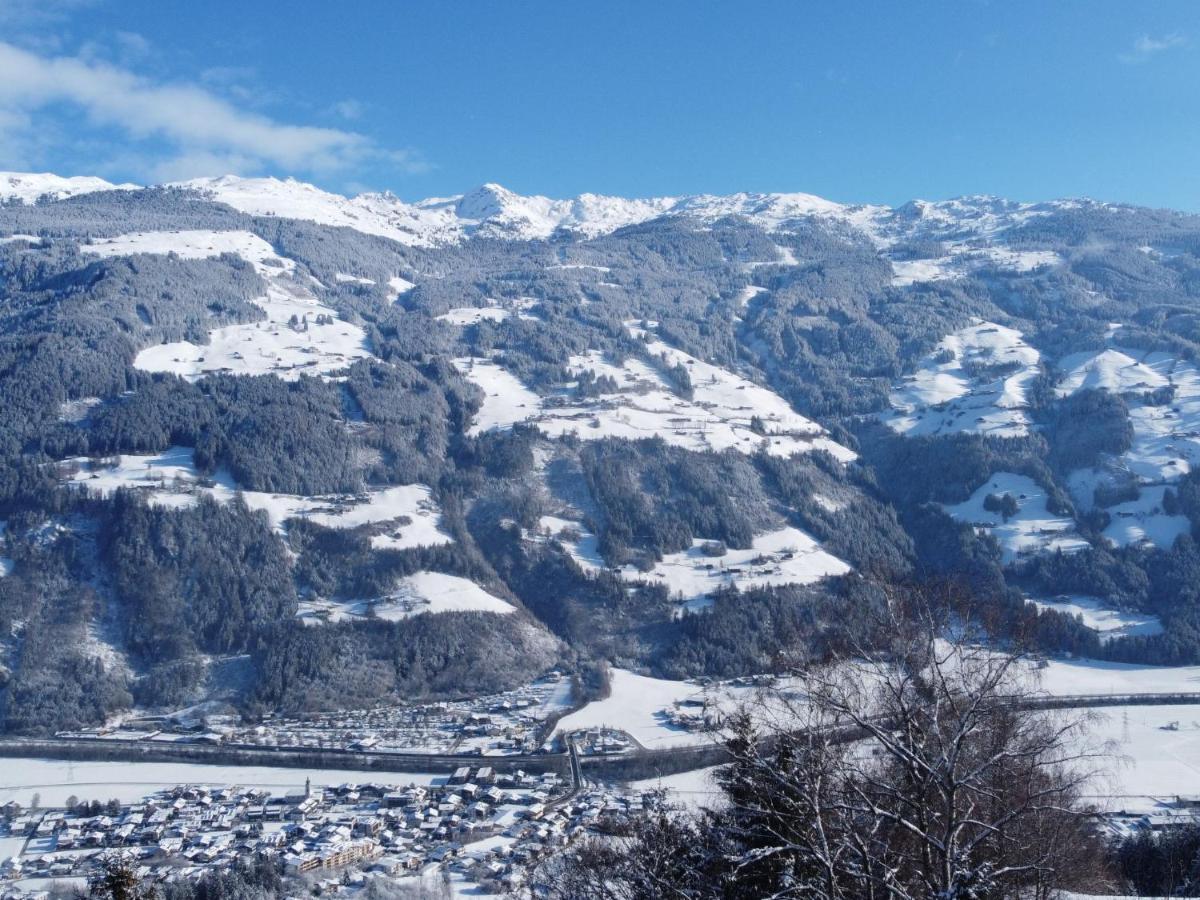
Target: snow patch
[
  {"x": 911, "y": 271},
  {"x": 1142, "y": 521},
  {"x": 433, "y": 592},
  {"x": 1109, "y": 370},
  {"x": 976, "y": 381},
  {"x": 275, "y": 346},
  {"x": 196, "y": 245},
  {"x": 1031, "y": 530},
  {"x": 1109, "y": 623},
  {"x": 343, "y": 278},
  {"x": 170, "y": 479},
  {"x": 726, "y": 411},
  {"x": 471, "y": 315}
]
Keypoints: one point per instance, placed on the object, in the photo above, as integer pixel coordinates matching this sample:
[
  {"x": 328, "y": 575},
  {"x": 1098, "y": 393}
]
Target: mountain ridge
[{"x": 493, "y": 211}]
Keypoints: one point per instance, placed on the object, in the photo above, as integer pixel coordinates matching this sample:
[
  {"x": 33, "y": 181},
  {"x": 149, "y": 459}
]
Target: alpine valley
[{"x": 270, "y": 451}]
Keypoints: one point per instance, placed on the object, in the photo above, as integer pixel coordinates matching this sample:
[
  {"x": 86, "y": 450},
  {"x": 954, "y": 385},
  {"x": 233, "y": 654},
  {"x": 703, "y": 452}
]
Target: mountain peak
[{"x": 29, "y": 187}]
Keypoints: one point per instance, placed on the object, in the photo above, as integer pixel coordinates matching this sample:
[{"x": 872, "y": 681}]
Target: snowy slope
[
  {"x": 691, "y": 577},
  {"x": 974, "y": 381},
  {"x": 404, "y": 515},
  {"x": 1109, "y": 370},
  {"x": 1166, "y": 437},
  {"x": 717, "y": 417},
  {"x": 432, "y": 592},
  {"x": 319, "y": 342},
  {"x": 29, "y": 187},
  {"x": 1033, "y": 529}
]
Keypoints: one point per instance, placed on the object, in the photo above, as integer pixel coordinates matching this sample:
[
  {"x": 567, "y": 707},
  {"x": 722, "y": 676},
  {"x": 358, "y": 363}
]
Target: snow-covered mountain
[
  {"x": 30, "y": 187},
  {"x": 493, "y": 211}
]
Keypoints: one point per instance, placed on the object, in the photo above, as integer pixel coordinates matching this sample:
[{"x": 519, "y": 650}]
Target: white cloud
[
  {"x": 24, "y": 13},
  {"x": 204, "y": 129},
  {"x": 347, "y": 109},
  {"x": 1147, "y": 46}
]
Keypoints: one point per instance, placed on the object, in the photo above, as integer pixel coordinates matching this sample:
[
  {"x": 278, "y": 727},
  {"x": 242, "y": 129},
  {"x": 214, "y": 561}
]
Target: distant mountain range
[{"x": 493, "y": 211}]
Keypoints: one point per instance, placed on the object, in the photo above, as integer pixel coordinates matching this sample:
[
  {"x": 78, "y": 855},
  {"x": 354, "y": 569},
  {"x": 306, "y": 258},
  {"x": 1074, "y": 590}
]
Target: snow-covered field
[
  {"x": 345, "y": 278},
  {"x": 718, "y": 417},
  {"x": 275, "y": 345},
  {"x": 196, "y": 245},
  {"x": 1083, "y": 677},
  {"x": 1166, "y": 437},
  {"x": 298, "y": 336},
  {"x": 786, "y": 556},
  {"x": 55, "y": 780},
  {"x": 1143, "y": 521},
  {"x": 1156, "y": 755},
  {"x": 1110, "y": 370},
  {"x": 470, "y": 315},
  {"x": 1107, "y": 622},
  {"x": 1033, "y": 529},
  {"x": 506, "y": 401},
  {"x": 170, "y": 479},
  {"x": 688, "y": 790},
  {"x": 963, "y": 259},
  {"x": 974, "y": 381},
  {"x": 433, "y": 592},
  {"x": 644, "y": 707},
  {"x": 640, "y": 706},
  {"x": 399, "y": 286},
  {"x": 910, "y": 271}
]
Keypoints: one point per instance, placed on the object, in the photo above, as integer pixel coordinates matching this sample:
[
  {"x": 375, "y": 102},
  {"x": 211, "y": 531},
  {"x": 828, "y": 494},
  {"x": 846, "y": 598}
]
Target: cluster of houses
[
  {"x": 1167, "y": 814},
  {"x": 477, "y": 825},
  {"x": 497, "y": 724}
]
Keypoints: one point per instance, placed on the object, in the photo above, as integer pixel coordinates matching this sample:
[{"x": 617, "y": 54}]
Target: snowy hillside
[
  {"x": 299, "y": 334},
  {"x": 725, "y": 411},
  {"x": 1030, "y": 529},
  {"x": 974, "y": 381},
  {"x": 30, "y": 187}
]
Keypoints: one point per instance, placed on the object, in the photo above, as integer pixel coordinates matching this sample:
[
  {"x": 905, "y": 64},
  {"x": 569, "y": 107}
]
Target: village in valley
[{"x": 479, "y": 830}]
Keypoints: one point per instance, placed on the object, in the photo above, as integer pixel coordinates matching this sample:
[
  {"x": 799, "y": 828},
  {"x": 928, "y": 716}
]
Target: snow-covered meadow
[
  {"x": 408, "y": 513},
  {"x": 651, "y": 710},
  {"x": 297, "y": 336},
  {"x": 785, "y": 556},
  {"x": 1107, "y": 622},
  {"x": 976, "y": 381},
  {"x": 433, "y": 592},
  {"x": 722, "y": 413},
  {"x": 1152, "y": 755},
  {"x": 1032, "y": 529}
]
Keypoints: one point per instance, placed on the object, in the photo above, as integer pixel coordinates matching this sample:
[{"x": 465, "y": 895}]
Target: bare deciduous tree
[{"x": 931, "y": 772}]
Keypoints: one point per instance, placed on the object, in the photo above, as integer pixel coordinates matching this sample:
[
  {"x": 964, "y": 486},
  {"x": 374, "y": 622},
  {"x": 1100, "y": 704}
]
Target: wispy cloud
[
  {"x": 205, "y": 133},
  {"x": 347, "y": 109},
  {"x": 25, "y": 13},
  {"x": 1147, "y": 46}
]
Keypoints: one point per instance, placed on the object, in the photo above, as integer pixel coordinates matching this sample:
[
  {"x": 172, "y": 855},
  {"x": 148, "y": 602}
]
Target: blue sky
[{"x": 858, "y": 102}]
